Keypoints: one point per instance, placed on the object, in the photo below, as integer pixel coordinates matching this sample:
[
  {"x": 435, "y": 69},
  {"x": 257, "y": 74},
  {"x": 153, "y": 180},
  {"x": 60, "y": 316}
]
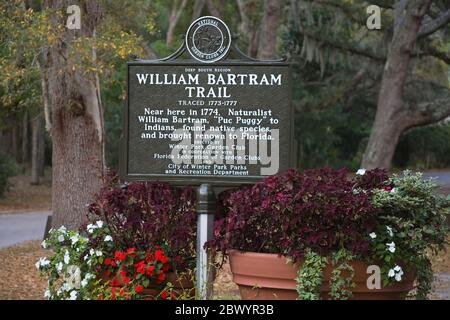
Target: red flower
[
  {"x": 122, "y": 292},
  {"x": 114, "y": 283},
  {"x": 113, "y": 293},
  {"x": 119, "y": 255},
  {"x": 164, "y": 259},
  {"x": 131, "y": 252},
  {"x": 150, "y": 270},
  {"x": 108, "y": 261},
  {"x": 139, "y": 289},
  {"x": 388, "y": 189},
  {"x": 166, "y": 267},
  {"x": 140, "y": 267},
  {"x": 108, "y": 273},
  {"x": 159, "y": 254},
  {"x": 164, "y": 294},
  {"x": 126, "y": 280},
  {"x": 161, "y": 277}
]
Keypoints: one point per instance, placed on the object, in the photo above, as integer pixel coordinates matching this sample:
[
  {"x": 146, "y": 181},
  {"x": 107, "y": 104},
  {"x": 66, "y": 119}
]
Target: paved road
[
  {"x": 442, "y": 178},
  {"x": 19, "y": 227}
]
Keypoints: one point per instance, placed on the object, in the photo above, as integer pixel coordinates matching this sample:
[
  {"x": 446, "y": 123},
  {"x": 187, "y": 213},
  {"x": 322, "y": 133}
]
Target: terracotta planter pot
[{"x": 262, "y": 276}]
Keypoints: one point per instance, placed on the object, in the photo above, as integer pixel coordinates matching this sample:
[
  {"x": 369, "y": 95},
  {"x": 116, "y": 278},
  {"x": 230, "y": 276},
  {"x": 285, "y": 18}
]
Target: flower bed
[{"x": 139, "y": 243}]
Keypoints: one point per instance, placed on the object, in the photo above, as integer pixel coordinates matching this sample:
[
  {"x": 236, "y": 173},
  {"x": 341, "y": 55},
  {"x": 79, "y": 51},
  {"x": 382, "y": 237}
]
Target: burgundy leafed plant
[
  {"x": 290, "y": 212},
  {"x": 142, "y": 214}
]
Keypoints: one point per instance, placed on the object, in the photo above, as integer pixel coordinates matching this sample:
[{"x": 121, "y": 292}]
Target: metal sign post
[{"x": 206, "y": 207}]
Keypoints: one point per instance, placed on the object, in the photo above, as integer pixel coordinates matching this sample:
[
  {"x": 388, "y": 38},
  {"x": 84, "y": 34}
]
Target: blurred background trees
[{"x": 362, "y": 97}]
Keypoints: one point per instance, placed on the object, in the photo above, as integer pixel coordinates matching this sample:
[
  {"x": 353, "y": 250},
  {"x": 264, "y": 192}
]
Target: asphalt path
[{"x": 19, "y": 227}]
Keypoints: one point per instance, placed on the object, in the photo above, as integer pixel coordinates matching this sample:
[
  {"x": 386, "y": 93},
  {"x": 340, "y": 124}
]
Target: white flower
[
  {"x": 98, "y": 253},
  {"x": 99, "y": 223},
  {"x": 391, "y": 246},
  {"x": 60, "y": 238},
  {"x": 74, "y": 239},
  {"x": 108, "y": 238},
  {"x": 373, "y": 235},
  {"x": 47, "y": 294},
  {"x": 65, "y": 287},
  {"x": 89, "y": 276},
  {"x": 91, "y": 252},
  {"x": 389, "y": 229},
  {"x": 66, "y": 257},
  {"x": 73, "y": 295},
  {"x": 59, "y": 266},
  {"x": 398, "y": 276},
  {"x": 62, "y": 229},
  {"x": 42, "y": 262},
  {"x": 391, "y": 273},
  {"x": 397, "y": 268},
  {"x": 90, "y": 228},
  {"x": 361, "y": 172},
  {"x": 84, "y": 282},
  {"x": 394, "y": 190},
  {"x": 86, "y": 257},
  {"x": 44, "y": 244}
]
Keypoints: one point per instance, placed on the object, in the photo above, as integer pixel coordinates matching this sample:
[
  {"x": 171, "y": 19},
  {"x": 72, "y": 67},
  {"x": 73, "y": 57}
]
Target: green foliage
[
  {"x": 424, "y": 148},
  {"x": 341, "y": 281},
  {"x": 413, "y": 225},
  {"x": 70, "y": 276},
  {"x": 310, "y": 276},
  {"x": 8, "y": 169}
]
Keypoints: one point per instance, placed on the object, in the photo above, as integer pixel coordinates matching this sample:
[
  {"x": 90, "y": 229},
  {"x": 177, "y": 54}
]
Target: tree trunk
[
  {"x": 41, "y": 149},
  {"x": 214, "y": 10},
  {"x": 173, "y": 20},
  {"x": 77, "y": 121},
  {"x": 36, "y": 129},
  {"x": 391, "y": 117},
  {"x": 197, "y": 9},
  {"x": 25, "y": 140},
  {"x": 269, "y": 27},
  {"x": 15, "y": 140}
]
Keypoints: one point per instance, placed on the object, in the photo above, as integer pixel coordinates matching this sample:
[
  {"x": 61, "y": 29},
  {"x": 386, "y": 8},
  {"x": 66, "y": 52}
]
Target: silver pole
[{"x": 206, "y": 207}]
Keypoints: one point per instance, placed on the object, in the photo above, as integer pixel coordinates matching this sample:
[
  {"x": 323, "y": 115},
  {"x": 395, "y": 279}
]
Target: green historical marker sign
[
  {"x": 207, "y": 121},
  {"x": 204, "y": 120}
]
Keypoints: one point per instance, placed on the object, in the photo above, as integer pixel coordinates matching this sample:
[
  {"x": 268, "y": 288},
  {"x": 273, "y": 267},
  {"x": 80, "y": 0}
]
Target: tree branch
[
  {"x": 429, "y": 112},
  {"x": 346, "y": 47},
  {"x": 387, "y": 4},
  {"x": 434, "y": 24},
  {"x": 434, "y": 52}
]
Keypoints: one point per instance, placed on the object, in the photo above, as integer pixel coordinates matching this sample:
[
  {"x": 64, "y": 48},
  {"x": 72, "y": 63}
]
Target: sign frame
[{"x": 195, "y": 180}]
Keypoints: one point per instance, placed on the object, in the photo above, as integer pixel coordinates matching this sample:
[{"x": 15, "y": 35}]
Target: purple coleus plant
[
  {"x": 143, "y": 214},
  {"x": 321, "y": 209}
]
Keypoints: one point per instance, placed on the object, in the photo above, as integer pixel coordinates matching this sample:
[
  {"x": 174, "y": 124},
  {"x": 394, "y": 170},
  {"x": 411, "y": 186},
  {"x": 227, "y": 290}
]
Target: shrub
[
  {"x": 8, "y": 169},
  {"x": 293, "y": 211},
  {"x": 412, "y": 225},
  {"x": 143, "y": 213}
]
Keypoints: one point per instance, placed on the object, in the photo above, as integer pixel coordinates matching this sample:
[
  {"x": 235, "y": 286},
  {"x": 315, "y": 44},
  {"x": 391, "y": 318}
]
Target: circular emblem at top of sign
[{"x": 208, "y": 39}]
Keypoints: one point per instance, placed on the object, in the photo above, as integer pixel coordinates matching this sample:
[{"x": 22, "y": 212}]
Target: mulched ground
[
  {"x": 19, "y": 278},
  {"x": 24, "y": 197}
]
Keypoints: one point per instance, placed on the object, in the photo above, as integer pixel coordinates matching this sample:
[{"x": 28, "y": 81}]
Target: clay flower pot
[{"x": 263, "y": 276}]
